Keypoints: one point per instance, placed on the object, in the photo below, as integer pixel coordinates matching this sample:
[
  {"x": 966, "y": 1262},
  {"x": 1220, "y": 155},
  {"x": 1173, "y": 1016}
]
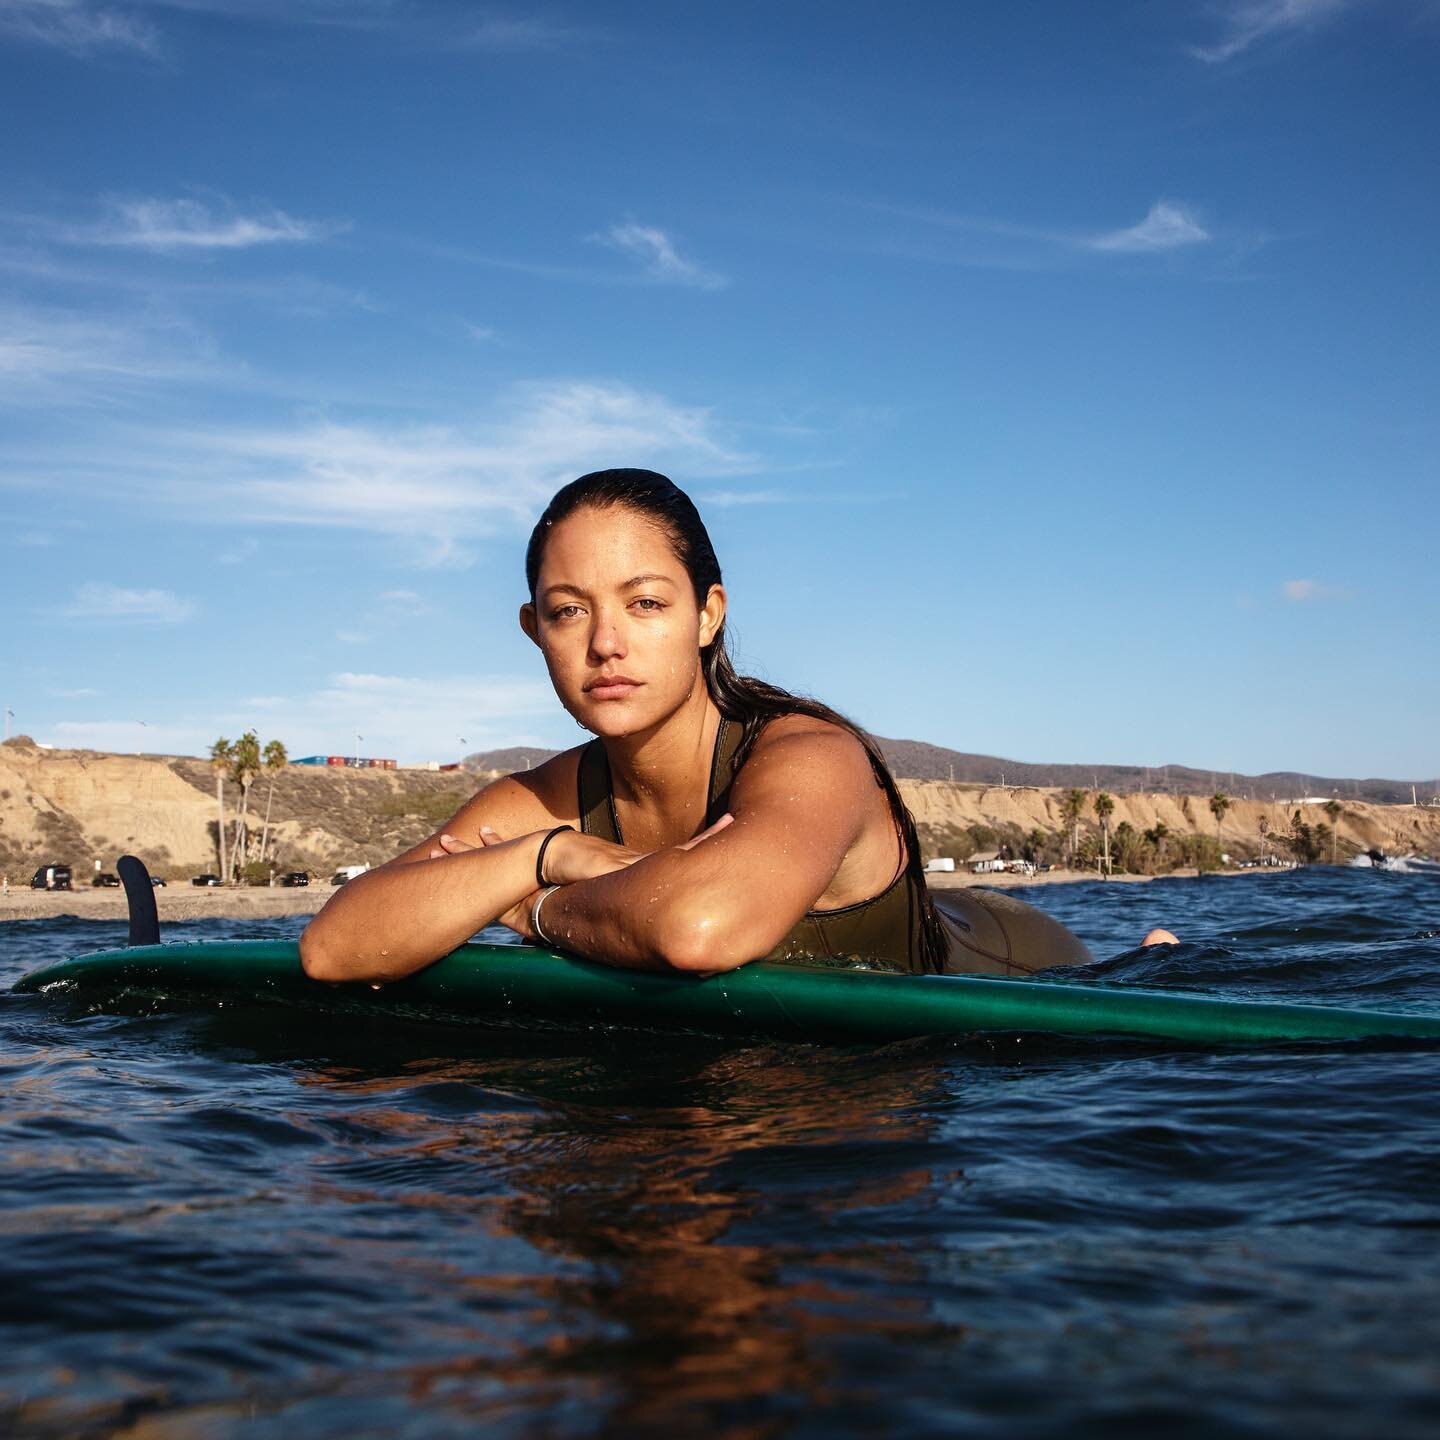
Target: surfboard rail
[{"x": 514, "y": 985}]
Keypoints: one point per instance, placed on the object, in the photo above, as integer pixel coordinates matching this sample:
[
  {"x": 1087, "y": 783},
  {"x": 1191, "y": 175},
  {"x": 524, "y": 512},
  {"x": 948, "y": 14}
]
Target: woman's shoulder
[{"x": 816, "y": 744}]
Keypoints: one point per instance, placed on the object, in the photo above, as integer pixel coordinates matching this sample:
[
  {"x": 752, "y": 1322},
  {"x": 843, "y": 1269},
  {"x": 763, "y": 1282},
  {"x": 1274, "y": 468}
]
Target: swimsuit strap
[
  {"x": 722, "y": 769},
  {"x": 597, "y": 795}
]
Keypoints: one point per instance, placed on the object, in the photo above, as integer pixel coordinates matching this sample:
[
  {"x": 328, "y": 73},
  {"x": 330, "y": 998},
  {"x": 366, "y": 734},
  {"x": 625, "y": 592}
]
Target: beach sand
[
  {"x": 189, "y": 902},
  {"x": 175, "y": 902}
]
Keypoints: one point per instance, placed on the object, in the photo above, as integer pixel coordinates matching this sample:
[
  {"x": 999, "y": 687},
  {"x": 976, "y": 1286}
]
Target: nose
[{"x": 607, "y": 637}]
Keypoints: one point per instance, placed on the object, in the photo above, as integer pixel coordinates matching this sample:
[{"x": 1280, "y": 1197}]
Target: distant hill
[
  {"x": 917, "y": 760},
  {"x": 517, "y": 757}
]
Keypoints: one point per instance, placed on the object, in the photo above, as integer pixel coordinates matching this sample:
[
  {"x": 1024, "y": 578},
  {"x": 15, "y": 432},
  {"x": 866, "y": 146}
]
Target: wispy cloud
[
  {"x": 410, "y": 717},
  {"x": 295, "y": 294},
  {"x": 1168, "y": 226},
  {"x": 425, "y": 716},
  {"x": 85, "y": 27},
  {"x": 439, "y": 486},
  {"x": 1248, "y": 22},
  {"x": 99, "y": 601},
  {"x": 76, "y": 26},
  {"x": 480, "y": 334},
  {"x": 992, "y": 242},
  {"x": 658, "y": 257},
  {"x": 727, "y": 498},
  {"x": 1300, "y": 591},
  {"x": 186, "y": 224},
  {"x": 61, "y": 355}
]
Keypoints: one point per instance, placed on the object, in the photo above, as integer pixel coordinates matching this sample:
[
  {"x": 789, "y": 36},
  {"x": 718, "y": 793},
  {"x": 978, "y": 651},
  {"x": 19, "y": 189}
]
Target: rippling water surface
[{"x": 263, "y": 1224}]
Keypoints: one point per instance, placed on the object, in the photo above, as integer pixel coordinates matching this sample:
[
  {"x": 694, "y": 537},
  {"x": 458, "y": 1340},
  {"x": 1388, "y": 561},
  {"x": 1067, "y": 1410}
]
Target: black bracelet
[{"x": 540, "y": 881}]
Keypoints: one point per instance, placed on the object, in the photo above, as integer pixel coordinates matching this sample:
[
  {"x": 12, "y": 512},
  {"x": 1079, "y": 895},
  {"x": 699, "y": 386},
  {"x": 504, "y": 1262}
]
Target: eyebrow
[{"x": 633, "y": 583}]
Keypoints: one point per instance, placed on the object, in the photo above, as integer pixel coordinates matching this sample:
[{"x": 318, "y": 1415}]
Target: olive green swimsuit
[
  {"x": 989, "y": 934},
  {"x": 883, "y": 930}
]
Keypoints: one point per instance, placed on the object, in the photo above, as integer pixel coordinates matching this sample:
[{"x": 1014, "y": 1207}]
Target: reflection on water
[{"x": 263, "y": 1223}]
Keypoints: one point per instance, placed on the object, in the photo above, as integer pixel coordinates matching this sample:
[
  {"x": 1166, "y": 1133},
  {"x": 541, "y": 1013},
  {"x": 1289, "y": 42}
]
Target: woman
[{"x": 714, "y": 820}]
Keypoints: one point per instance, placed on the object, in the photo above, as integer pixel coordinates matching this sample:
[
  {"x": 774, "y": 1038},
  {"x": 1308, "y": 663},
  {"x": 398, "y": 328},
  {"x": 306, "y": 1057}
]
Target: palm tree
[
  {"x": 1156, "y": 835},
  {"x": 246, "y": 767},
  {"x": 1334, "y": 810},
  {"x": 1104, "y": 809},
  {"x": 1125, "y": 843},
  {"x": 222, "y": 756},
  {"x": 1072, "y": 805},
  {"x": 275, "y": 758},
  {"x": 1219, "y": 804},
  {"x": 1263, "y": 825}
]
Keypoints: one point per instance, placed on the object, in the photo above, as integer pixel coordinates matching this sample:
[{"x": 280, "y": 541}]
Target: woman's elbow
[
  {"x": 701, "y": 941},
  {"x": 317, "y": 960}
]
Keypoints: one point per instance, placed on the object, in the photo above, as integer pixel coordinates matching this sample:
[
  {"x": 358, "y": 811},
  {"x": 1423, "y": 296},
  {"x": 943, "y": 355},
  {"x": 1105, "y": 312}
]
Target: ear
[
  {"x": 712, "y": 615},
  {"x": 529, "y": 622}
]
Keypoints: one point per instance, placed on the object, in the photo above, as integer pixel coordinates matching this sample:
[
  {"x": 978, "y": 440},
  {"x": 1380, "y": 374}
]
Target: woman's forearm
[
  {"x": 670, "y": 911},
  {"x": 390, "y": 922}
]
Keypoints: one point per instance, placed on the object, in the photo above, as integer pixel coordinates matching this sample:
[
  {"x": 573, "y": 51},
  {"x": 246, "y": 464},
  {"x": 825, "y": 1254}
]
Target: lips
[{"x": 611, "y": 687}]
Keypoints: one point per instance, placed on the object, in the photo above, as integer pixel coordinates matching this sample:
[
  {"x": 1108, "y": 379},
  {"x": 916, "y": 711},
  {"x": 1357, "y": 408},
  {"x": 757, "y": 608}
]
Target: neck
[{"x": 664, "y": 769}]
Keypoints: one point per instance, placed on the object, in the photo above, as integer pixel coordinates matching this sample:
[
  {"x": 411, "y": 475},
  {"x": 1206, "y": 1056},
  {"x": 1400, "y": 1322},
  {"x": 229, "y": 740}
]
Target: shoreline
[{"x": 185, "y": 902}]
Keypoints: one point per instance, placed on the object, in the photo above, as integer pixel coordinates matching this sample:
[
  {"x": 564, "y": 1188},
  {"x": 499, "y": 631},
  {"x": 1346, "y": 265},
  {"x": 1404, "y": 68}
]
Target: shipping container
[{"x": 350, "y": 762}]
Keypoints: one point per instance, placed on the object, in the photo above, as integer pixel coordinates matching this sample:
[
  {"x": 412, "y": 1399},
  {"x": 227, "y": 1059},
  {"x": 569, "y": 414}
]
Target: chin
[
  {"x": 612, "y": 721},
  {"x": 615, "y": 719}
]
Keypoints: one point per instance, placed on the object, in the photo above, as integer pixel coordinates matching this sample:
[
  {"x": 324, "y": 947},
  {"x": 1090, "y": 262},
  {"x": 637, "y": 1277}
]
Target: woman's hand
[{"x": 570, "y": 858}]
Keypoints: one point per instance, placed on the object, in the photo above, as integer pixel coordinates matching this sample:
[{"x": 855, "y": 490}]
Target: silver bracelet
[{"x": 540, "y": 935}]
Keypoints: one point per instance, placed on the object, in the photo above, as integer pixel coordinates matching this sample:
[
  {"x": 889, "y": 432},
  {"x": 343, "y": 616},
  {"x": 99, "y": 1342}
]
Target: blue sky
[{"x": 1059, "y": 381}]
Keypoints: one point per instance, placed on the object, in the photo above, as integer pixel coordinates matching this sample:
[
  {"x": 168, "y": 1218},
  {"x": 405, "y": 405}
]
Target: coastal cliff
[{"x": 80, "y": 806}]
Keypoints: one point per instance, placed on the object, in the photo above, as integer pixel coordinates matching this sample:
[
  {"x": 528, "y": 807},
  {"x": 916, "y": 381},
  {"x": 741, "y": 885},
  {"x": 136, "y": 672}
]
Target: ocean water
[{"x": 255, "y": 1223}]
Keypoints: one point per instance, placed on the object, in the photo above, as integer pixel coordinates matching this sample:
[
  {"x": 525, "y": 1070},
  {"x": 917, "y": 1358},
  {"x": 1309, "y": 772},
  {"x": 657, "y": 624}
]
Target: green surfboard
[{"x": 512, "y": 985}]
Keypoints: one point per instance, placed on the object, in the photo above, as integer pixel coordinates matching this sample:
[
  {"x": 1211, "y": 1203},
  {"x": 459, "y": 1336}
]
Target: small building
[
  {"x": 349, "y": 762},
  {"x": 986, "y": 863}
]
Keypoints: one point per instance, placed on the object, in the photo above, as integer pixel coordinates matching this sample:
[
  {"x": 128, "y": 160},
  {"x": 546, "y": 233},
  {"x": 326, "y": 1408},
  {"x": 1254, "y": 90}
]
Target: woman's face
[{"x": 616, "y": 619}]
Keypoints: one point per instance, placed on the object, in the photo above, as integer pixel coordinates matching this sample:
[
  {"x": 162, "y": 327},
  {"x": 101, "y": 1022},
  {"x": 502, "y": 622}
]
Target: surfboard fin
[{"x": 140, "y": 898}]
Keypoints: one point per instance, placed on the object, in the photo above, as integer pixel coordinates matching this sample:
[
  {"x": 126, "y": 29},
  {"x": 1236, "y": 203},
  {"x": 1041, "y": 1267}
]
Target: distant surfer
[{"x": 715, "y": 819}]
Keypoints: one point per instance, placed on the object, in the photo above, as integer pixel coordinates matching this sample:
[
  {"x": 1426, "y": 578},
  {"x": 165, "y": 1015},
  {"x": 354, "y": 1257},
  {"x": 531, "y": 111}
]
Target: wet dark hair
[{"x": 751, "y": 703}]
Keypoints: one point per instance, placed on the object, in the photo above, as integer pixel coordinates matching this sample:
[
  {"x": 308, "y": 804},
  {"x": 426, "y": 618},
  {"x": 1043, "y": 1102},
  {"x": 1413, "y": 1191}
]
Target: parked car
[
  {"x": 157, "y": 882},
  {"x": 347, "y": 872},
  {"x": 104, "y": 879},
  {"x": 51, "y": 877},
  {"x": 296, "y": 877},
  {"x": 205, "y": 880}
]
